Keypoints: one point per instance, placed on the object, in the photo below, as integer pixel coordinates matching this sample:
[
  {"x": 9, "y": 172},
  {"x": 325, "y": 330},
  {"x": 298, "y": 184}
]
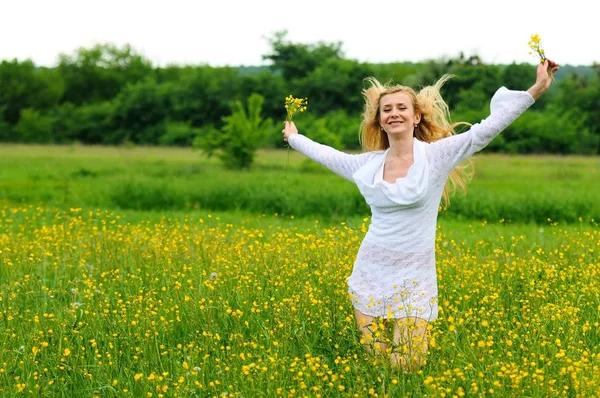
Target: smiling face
[{"x": 397, "y": 115}]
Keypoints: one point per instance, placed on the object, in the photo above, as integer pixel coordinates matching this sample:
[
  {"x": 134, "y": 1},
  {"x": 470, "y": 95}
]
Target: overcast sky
[{"x": 224, "y": 32}]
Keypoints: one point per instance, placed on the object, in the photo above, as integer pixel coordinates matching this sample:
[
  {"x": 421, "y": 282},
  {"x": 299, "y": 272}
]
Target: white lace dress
[{"x": 394, "y": 275}]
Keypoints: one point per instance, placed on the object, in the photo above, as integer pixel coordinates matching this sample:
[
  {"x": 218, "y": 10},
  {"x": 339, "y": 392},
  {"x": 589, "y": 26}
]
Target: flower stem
[{"x": 287, "y": 168}]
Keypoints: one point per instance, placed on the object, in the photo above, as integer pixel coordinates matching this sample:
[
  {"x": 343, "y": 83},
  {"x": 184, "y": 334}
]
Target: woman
[{"x": 411, "y": 152}]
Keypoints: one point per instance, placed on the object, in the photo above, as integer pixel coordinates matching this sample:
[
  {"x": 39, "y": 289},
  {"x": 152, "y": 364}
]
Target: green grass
[{"x": 519, "y": 189}]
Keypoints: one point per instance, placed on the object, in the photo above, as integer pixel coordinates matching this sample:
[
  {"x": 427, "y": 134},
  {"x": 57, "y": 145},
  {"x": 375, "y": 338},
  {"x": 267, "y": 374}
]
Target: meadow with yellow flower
[{"x": 107, "y": 302}]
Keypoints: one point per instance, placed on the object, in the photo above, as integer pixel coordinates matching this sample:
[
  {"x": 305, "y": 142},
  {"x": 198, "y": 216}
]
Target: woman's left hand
[
  {"x": 545, "y": 73},
  {"x": 544, "y": 76}
]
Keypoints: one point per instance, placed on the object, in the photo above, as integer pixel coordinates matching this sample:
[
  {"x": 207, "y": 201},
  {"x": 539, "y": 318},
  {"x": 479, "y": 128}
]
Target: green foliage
[
  {"x": 473, "y": 85},
  {"x": 583, "y": 98},
  {"x": 245, "y": 131},
  {"x": 6, "y": 133},
  {"x": 345, "y": 126},
  {"x": 515, "y": 74},
  {"x": 401, "y": 73},
  {"x": 113, "y": 95},
  {"x": 335, "y": 84},
  {"x": 93, "y": 123},
  {"x": 64, "y": 123},
  {"x": 549, "y": 132},
  {"x": 99, "y": 73},
  {"x": 270, "y": 85},
  {"x": 179, "y": 133},
  {"x": 326, "y": 130},
  {"x": 23, "y": 85},
  {"x": 208, "y": 139},
  {"x": 34, "y": 126},
  {"x": 202, "y": 96},
  {"x": 296, "y": 61},
  {"x": 140, "y": 112}
]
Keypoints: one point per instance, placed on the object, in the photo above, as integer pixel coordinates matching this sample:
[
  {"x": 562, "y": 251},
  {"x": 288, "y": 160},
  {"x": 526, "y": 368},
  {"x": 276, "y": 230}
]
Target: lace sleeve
[
  {"x": 341, "y": 163},
  {"x": 506, "y": 106}
]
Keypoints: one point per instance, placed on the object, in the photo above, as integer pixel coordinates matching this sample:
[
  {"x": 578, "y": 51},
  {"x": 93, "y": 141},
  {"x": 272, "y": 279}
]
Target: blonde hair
[{"x": 435, "y": 123}]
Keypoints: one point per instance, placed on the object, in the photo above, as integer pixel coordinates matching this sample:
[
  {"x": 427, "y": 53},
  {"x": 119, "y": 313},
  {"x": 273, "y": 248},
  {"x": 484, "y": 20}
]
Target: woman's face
[{"x": 397, "y": 115}]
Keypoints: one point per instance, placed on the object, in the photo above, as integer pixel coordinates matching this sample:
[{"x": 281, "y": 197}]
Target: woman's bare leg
[
  {"x": 373, "y": 333},
  {"x": 411, "y": 342}
]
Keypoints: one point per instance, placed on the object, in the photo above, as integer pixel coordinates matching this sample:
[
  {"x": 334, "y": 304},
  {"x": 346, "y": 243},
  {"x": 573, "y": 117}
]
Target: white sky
[{"x": 226, "y": 32}]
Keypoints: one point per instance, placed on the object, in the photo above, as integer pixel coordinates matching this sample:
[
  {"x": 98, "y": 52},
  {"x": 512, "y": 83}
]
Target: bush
[{"x": 33, "y": 126}]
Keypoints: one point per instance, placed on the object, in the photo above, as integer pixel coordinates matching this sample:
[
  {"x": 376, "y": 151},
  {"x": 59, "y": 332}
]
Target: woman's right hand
[{"x": 289, "y": 129}]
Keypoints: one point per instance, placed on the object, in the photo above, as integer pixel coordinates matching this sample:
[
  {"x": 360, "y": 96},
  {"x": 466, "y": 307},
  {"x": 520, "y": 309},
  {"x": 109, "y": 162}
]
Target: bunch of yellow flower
[
  {"x": 294, "y": 105},
  {"x": 534, "y": 44}
]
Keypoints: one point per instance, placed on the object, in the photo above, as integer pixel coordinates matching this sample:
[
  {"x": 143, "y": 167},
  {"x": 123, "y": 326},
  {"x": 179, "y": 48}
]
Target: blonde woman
[{"x": 411, "y": 156}]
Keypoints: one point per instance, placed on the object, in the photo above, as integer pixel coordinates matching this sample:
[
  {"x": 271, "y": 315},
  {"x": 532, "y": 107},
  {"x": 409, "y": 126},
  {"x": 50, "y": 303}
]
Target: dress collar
[{"x": 405, "y": 192}]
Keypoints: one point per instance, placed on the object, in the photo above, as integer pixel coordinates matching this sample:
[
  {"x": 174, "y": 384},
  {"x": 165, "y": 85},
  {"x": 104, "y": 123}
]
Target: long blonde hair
[{"x": 435, "y": 123}]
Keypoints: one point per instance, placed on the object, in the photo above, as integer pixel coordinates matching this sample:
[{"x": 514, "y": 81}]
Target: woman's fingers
[
  {"x": 552, "y": 66},
  {"x": 290, "y": 128}
]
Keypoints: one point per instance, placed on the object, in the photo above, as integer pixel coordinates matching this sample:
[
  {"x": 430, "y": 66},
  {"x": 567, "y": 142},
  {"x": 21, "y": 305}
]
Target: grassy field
[
  {"x": 102, "y": 299},
  {"x": 517, "y": 189}
]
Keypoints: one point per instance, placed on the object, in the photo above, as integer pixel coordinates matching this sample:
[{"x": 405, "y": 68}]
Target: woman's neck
[{"x": 401, "y": 147}]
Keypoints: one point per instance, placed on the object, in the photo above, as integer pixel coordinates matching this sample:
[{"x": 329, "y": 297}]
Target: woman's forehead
[{"x": 396, "y": 98}]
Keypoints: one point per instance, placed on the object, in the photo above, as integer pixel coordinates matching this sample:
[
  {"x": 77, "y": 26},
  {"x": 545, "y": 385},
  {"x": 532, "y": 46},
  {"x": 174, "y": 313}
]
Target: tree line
[{"x": 113, "y": 95}]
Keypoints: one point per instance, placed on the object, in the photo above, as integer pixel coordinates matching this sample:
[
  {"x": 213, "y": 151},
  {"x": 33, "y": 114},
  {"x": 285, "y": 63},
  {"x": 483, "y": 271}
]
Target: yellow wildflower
[
  {"x": 294, "y": 105},
  {"x": 536, "y": 46}
]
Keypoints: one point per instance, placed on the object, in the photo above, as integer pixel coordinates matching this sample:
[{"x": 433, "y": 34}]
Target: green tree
[
  {"x": 271, "y": 86},
  {"x": 335, "y": 85},
  {"x": 243, "y": 133},
  {"x": 581, "y": 96},
  {"x": 473, "y": 86},
  {"x": 140, "y": 113},
  {"x": 518, "y": 76},
  {"x": 23, "y": 85},
  {"x": 94, "y": 124},
  {"x": 588, "y": 101},
  {"x": 318, "y": 129},
  {"x": 5, "y": 130},
  {"x": 202, "y": 96},
  {"x": 404, "y": 73},
  {"x": 592, "y": 104},
  {"x": 554, "y": 131},
  {"x": 35, "y": 126},
  {"x": 101, "y": 72},
  {"x": 295, "y": 61},
  {"x": 65, "y": 125}
]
